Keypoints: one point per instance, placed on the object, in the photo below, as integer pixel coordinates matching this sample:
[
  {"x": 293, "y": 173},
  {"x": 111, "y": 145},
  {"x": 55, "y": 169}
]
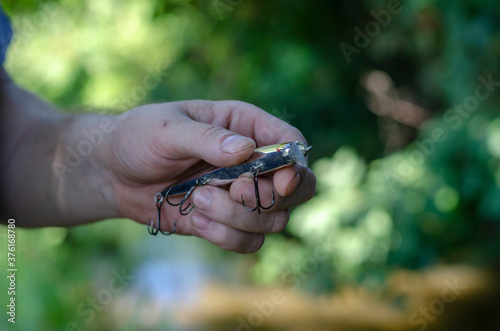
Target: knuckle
[
  {"x": 233, "y": 105},
  {"x": 198, "y": 106},
  {"x": 237, "y": 103},
  {"x": 208, "y": 131}
]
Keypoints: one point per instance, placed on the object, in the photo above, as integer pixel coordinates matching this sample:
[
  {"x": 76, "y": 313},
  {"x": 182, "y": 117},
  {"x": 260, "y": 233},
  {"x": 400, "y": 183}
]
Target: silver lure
[
  {"x": 265, "y": 159},
  {"x": 269, "y": 158}
]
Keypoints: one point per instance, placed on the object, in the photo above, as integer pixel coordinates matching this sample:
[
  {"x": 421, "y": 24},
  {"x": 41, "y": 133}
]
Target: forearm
[{"x": 35, "y": 139}]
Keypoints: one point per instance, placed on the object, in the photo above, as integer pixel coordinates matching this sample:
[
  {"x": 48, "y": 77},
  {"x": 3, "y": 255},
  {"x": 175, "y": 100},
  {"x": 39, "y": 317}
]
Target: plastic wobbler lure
[{"x": 265, "y": 159}]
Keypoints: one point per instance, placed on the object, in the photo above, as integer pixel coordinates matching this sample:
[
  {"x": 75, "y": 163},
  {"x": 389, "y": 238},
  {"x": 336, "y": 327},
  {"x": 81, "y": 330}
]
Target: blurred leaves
[{"x": 413, "y": 208}]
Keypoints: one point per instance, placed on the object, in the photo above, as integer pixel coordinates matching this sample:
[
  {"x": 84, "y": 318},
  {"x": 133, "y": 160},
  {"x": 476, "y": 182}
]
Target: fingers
[
  {"x": 245, "y": 119},
  {"x": 216, "y": 204},
  {"x": 224, "y": 236},
  {"x": 291, "y": 186},
  {"x": 223, "y": 221},
  {"x": 288, "y": 179},
  {"x": 225, "y": 134}
]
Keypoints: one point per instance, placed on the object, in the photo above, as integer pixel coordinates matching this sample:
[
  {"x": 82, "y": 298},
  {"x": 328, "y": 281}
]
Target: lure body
[
  {"x": 268, "y": 158},
  {"x": 265, "y": 159}
]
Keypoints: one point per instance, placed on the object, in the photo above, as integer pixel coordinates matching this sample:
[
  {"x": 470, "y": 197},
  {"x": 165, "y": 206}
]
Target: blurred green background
[{"x": 406, "y": 154}]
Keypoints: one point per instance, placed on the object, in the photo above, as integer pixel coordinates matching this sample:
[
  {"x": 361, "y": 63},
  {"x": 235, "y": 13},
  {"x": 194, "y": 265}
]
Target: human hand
[{"x": 155, "y": 146}]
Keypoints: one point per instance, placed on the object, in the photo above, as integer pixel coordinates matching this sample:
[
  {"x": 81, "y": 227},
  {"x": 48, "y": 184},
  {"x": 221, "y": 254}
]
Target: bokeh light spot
[{"x": 446, "y": 199}]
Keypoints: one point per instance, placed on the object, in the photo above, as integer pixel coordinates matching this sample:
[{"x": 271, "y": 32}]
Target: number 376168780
[{"x": 11, "y": 239}]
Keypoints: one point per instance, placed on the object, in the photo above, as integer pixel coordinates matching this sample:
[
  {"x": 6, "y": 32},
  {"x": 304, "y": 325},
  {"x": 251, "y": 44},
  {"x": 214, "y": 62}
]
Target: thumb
[{"x": 212, "y": 143}]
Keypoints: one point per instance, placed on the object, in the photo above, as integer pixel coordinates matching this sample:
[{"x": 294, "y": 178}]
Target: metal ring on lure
[{"x": 265, "y": 159}]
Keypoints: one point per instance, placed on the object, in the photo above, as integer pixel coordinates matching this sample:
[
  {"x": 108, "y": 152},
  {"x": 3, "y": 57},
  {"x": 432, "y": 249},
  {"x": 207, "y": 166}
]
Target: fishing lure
[{"x": 265, "y": 159}]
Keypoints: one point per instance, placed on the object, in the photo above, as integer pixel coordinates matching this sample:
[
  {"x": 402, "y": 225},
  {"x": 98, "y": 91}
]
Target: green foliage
[{"x": 431, "y": 203}]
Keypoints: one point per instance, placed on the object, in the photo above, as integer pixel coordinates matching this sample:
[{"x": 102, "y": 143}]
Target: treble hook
[
  {"x": 182, "y": 210},
  {"x": 255, "y": 176},
  {"x": 151, "y": 229}
]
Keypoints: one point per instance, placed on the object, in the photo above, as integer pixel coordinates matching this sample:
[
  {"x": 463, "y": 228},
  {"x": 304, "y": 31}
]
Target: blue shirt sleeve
[{"x": 5, "y": 34}]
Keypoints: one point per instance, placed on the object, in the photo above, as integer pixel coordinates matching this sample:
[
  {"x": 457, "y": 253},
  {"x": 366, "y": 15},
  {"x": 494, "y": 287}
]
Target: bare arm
[{"x": 33, "y": 135}]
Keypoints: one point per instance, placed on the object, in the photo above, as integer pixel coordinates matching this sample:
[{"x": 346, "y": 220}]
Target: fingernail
[
  {"x": 293, "y": 184},
  {"x": 202, "y": 199},
  {"x": 236, "y": 143},
  {"x": 199, "y": 221}
]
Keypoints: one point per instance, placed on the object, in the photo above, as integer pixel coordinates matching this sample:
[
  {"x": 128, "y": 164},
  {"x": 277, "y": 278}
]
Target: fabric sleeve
[{"x": 5, "y": 34}]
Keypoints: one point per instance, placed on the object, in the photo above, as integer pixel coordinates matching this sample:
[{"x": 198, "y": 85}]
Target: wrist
[{"x": 82, "y": 171}]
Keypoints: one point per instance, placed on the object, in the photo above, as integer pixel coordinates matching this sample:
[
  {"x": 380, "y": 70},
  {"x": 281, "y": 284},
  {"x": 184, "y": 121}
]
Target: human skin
[{"x": 139, "y": 153}]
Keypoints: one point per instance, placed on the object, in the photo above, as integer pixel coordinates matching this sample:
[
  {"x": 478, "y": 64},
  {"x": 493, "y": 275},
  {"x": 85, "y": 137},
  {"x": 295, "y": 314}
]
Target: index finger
[
  {"x": 245, "y": 119},
  {"x": 251, "y": 121},
  {"x": 266, "y": 129}
]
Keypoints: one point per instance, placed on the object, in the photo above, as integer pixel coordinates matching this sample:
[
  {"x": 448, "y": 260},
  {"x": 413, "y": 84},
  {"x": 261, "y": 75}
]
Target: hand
[{"x": 155, "y": 146}]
